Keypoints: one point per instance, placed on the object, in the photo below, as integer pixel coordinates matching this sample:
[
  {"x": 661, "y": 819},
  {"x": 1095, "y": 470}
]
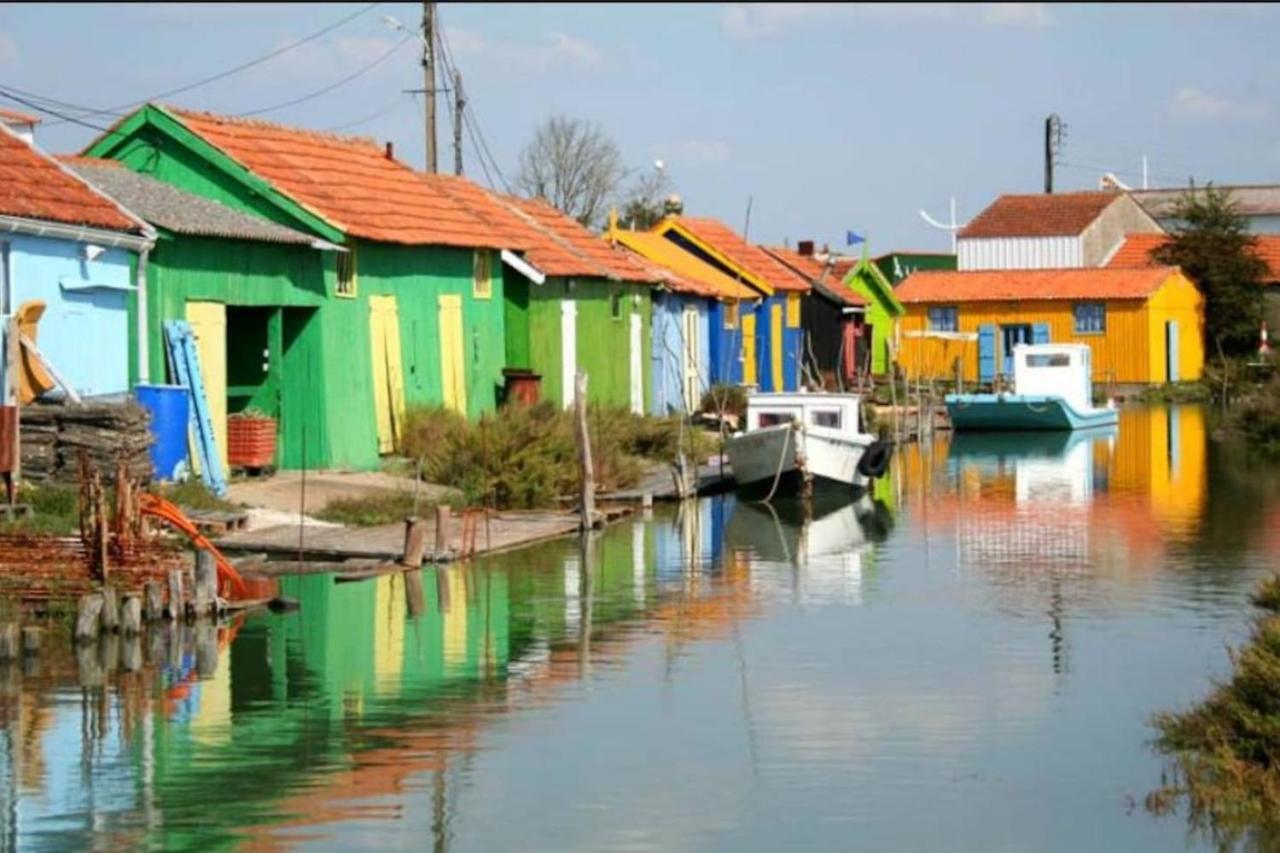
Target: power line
[
  {"x": 370, "y": 117},
  {"x": 18, "y": 99},
  {"x": 367, "y": 67},
  {"x": 469, "y": 118},
  {"x": 230, "y": 71}
]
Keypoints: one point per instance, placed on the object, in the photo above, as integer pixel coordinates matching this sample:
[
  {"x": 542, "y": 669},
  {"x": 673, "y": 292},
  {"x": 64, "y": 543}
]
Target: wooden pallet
[
  {"x": 13, "y": 512},
  {"x": 213, "y": 522}
]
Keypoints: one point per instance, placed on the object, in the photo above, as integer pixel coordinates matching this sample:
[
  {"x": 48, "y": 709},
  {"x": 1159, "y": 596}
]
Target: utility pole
[
  {"x": 459, "y": 104},
  {"x": 1054, "y": 131},
  {"x": 429, "y": 80}
]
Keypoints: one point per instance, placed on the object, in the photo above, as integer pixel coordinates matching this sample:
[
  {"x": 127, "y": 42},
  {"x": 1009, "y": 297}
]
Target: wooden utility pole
[
  {"x": 459, "y": 104},
  {"x": 1053, "y": 133},
  {"x": 429, "y": 80},
  {"x": 588, "y": 494}
]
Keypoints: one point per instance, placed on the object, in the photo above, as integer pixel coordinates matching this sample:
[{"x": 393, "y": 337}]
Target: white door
[
  {"x": 568, "y": 349},
  {"x": 692, "y": 385},
  {"x": 637, "y": 364}
]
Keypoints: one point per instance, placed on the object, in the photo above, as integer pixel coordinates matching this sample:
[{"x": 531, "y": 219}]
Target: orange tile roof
[
  {"x": 1057, "y": 215},
  {"x": 569, "y": 233},
  {"x": 35, "y": 186},
  {"x": 749, "y": 257},
  {"x": 659, "y": 250},
  {"x": 1026, "y": 285},
  {"x": 1137, "y": 248},
  {"x": 348, "y": 181},
  {"x": 16, "y": 117},
  {"x": 824, "y": 275}
]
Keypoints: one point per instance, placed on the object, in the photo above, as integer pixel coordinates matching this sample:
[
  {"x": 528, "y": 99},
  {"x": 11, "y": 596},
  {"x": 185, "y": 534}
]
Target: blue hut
[{"x": 73, "y": 248}]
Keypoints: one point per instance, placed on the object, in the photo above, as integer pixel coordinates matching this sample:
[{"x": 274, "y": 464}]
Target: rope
[{"x": 777, "y": 476}]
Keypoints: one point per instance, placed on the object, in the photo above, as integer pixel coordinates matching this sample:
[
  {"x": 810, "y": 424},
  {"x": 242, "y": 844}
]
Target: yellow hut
[{"x": 1144, "y": 326}]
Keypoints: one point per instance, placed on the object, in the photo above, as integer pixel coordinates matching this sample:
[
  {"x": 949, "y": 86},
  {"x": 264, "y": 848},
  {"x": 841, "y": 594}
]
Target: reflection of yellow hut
[{"x": 1160, "y": 453}]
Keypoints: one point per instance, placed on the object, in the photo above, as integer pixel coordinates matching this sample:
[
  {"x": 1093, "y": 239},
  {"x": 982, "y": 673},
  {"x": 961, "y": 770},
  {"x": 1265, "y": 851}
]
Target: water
[{"x": 967, "y": 662}]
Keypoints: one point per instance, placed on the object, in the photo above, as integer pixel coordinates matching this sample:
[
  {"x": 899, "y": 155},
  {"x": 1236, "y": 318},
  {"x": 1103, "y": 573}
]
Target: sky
[{"x": 826, "y": 118}]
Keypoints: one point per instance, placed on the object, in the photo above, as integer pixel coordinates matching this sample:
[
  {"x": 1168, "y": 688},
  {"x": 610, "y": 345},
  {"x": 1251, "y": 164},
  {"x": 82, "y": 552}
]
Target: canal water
[{"x": 966, "y": 660}]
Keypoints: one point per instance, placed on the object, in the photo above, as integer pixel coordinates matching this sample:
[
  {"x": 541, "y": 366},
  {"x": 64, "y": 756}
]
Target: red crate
[{"x": 251, "y": 442}]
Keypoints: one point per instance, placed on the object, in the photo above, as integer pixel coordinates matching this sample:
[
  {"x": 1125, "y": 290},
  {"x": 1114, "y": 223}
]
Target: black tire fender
[{"x": 875, "y": 459}]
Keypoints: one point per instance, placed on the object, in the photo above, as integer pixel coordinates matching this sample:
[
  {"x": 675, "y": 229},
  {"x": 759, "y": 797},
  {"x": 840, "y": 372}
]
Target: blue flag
[{"x": 851, "y": 239}]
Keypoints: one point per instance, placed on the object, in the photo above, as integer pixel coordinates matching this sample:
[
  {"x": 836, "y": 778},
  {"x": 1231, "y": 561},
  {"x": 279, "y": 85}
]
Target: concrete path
[{"x": 282, "y": 493}]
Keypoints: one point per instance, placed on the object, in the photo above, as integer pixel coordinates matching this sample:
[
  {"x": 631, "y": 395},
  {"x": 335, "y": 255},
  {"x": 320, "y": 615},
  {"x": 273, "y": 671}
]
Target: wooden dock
[
  {"x": 660, "y": 485},
  {"x": 503, "y": 531}
]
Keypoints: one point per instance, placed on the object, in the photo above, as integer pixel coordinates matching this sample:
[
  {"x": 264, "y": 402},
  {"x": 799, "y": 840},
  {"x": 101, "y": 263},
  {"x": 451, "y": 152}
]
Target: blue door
[
  {"x": 986, "y": 353},
  {"x": 1019, "y": 333},
  {"x": 1171, "y": 351}
]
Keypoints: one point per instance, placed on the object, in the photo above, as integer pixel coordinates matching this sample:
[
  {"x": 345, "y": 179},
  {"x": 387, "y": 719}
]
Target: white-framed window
[
  {"x": 482, "y": 284},
  {"x": 827, "y": 418},
  {"x": 1090, "y": 317},
  {"x": 944, "y": 318}
]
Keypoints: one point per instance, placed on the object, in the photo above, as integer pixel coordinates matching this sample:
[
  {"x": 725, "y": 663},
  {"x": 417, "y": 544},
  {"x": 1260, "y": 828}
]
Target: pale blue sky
[{"x": 830, "y": 117}]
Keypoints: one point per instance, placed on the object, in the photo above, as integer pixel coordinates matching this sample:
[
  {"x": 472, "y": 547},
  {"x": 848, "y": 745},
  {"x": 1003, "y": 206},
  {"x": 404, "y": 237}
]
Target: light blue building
[
  {"x": 80, "y": 253},
  {"x": 681, "y": 353}
]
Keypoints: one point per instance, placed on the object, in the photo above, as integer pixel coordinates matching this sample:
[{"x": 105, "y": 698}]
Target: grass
[
  {"x": 1175, "y": 393},
  {"x": 1225, "y": 752},
  {"x": 1256, "y": 417},
  {"x": 55, "y": 511},
  {"x": 371, "y": 510},
  {"x": 192, "y": 494},
  {"x": 526, "y": 457}
]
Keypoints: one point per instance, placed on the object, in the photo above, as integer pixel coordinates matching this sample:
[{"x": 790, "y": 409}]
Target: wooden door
[
  {"x": 777, "y": 348},
  {"x": 637, "y": 363},
  {"x": 748, "y": 348},
  {"x": 568, "y": 350},
  {"x": 388, "y": 373},
  {"x": 453, "y": 361},
  {"x": 692, "y": 345},
  {"x": 209, "y": 325}
]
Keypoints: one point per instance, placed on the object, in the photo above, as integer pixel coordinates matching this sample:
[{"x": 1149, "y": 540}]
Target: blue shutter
[
  {"x": 1040, "y": 333},
  {"x": 987, "y": 353}
]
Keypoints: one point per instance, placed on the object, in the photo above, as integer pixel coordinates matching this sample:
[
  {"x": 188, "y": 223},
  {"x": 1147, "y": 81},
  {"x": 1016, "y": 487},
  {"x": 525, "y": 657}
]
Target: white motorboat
[{"x": 807, "y": 437}]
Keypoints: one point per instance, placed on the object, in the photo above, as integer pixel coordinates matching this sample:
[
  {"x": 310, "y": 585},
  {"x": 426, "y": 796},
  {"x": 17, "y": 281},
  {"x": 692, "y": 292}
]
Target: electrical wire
[
  {"x": 470, "y": 120},
  {"x": 222, "y": 75},
  {"x": 366, "y": 68},
  {"x": 370, "y": 117},
  {"x": 18, "y": 99}
]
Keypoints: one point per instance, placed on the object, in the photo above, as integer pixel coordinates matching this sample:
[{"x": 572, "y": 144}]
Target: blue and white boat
[{"x": 1052, "y": 390}]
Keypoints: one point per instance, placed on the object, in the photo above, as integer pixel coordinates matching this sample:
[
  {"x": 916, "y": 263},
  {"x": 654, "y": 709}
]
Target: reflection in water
[{"x": 726, "y": 674}]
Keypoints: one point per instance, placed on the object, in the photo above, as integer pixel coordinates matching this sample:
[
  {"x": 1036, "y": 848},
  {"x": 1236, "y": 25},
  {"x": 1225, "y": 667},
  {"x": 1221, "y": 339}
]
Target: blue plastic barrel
[{"x": 168, "y": 405}]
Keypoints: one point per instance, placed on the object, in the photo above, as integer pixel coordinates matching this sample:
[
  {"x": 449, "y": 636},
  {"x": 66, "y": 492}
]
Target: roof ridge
[{"x": 262, "y": 124}]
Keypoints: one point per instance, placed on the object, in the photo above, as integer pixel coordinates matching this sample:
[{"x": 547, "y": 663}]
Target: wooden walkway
[
  {"x": 712, "y": 479},
  {"x": 505, "y": 530}
]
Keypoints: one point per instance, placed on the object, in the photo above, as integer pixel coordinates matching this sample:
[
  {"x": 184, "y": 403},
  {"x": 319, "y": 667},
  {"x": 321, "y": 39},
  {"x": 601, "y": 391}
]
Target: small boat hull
[
  {"x": 788, "y": 452},
  {"x": 1022, "y": 412}
]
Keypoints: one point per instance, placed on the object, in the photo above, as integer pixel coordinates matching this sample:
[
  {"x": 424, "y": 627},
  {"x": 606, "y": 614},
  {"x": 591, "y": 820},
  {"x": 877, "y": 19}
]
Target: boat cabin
[
  {"x": 1054, "y": 370},
  {"x": 834, "y": 412}
]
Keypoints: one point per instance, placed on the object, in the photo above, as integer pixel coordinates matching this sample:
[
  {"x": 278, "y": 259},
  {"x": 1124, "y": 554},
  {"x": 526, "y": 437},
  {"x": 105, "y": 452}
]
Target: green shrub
[
  {"x": 385, "y": 507},
  {"x": 732, "y": 399},
  {"x": 1256, "y": 417}
]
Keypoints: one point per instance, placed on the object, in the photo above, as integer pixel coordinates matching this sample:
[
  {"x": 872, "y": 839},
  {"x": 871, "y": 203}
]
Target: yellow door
[
  {"x": 453, "y": 365},
  {"x": 209, "y": 325},
  {"x": 388, "y": 376},
  {"x": 748, "y": 349},
  {"x": 775, "y": 345}
]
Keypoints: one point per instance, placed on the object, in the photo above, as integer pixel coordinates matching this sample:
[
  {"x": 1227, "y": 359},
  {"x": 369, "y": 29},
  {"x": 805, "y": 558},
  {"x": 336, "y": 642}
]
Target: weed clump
[{"x": 372, "y": 510}]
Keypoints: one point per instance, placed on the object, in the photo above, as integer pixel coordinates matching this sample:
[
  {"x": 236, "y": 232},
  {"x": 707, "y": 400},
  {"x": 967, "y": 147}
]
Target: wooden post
[
  {"x": 442, "y": 531},
  {"x": 110, "y": 609},
  {"x": 88, "y": 667},
  {"x": 415, "y": 599},
  {"x": 131, "y": 651},
  {"x": 31, "y": 639},
  {"x": 415, "y": 542},
  {"x": 206, "y": 593},
  {"x": 206, "y": 637},
  {"x": 588, "y": 497},
  {"x": 175, "y": 609},
  {"x": 131, "y": 616},
  {"x": 13, "y": 395},
  {"x": 9, "y": 649},
  {"x": 89, "y": 616},
  {"x": 153, "y": 609}
]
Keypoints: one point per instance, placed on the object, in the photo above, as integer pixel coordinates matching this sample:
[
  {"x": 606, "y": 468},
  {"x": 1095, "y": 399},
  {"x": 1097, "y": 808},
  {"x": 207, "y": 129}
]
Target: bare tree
[
  {"x": 646, "y": 200},
  {"x": 573, "y": 165}
]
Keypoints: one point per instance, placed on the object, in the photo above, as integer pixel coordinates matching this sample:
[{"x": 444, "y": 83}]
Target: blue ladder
[{"x": 186, "y": 366}]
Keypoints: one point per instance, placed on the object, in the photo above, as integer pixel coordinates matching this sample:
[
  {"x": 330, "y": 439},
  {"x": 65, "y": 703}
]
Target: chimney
[
  {"x": 21, "y": 124},
  {"x": 804, "y": 248},
  {"x": 391, "y": 150}
]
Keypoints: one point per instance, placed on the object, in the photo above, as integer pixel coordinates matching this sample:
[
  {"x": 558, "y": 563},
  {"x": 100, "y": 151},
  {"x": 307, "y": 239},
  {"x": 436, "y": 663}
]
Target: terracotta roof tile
[
  {"x": 826, "y": 276},
  {"x": 568, "y": 232},
  {"x": 35, "y": 186},
  {"x": 348, "y": 181},
  {"x": 1137, "y": 248},
  {"x": 751, "y": 258},
  {"x": 1023, "y": 285},
  {"x": 1057, "y": 215},
  {"x": 16, "y": 117}
]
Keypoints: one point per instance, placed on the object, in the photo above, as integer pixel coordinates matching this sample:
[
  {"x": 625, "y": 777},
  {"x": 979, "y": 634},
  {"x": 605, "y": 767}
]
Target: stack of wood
[{"x": 109, "y": 433}]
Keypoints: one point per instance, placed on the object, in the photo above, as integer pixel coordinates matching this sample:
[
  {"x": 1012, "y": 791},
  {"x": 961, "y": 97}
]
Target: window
[
  {"x": 1091, "y": 318},
  {"x": 944, "y": 318},
  {"x": 1057, "y": 359},
  {"x": 829, "y": 418},
  {"x": 615, "y": 306},
  {"x": 768, "y": 419},
  {"x": 793, "y": 310},
  {"x": 731, "y": 315},
  {"x": 347, "y": 279},
  {"x": 482, "y": 287}
]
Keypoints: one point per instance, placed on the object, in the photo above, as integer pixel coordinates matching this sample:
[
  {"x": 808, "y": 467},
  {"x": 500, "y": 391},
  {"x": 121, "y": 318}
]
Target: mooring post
[
  {"x": 131, "y": 616},
  {"x": 89, "y": 616},
  {"x": 110, "y": 609},
  {"x": 206, "y": 594},
  {"x": 31, "y": 639},
  {"x": 153, "y": 610},
  {"x": 131, "y": 652},
  {"x": 414, "y": 597},
  {"x": 442, "y": 531},
  {"x": 9, "y": 649},
  {"x": 588, "y": 497},
  {"x": 175, "y": 610},
  {"x": 206, "y": 637},
  {"x": 415, "y": 542}
]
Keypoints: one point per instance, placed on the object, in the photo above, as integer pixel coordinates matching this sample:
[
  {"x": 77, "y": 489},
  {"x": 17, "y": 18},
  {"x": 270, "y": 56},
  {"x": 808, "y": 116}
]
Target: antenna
[{"x": 953, "y": 227}]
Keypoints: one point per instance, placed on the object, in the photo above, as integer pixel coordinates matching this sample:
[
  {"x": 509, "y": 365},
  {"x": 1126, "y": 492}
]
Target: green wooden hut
[
  {"x": 412, "y": 308},
  {"x": 882, "y": 313}
]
